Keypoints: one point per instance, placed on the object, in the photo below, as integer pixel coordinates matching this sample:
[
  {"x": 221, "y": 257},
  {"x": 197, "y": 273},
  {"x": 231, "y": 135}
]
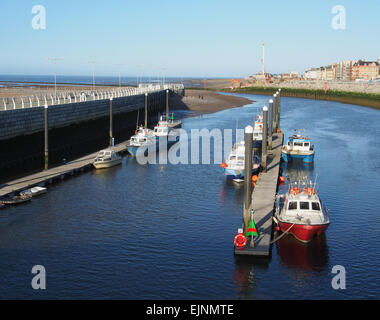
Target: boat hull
[
  {"x": 237, "y": 174},
  {"x": 134, "y": 149},
  {"x": 288, "y": 157},
  {"x": 108, "y": 164},
  {"x": 303, "y": 233}
]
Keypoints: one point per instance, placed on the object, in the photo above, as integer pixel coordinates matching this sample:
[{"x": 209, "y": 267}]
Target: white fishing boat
[
  {"x": 35, "y": 191},
  {"x": 144, "y": 138},
  {"x": 106, "y": 159},
  {"x": 299, "y": 212},
  {"x": 258, "y": 132},
  {"x": 233, "y": 167},
  {"x": 163, "y": 131}
]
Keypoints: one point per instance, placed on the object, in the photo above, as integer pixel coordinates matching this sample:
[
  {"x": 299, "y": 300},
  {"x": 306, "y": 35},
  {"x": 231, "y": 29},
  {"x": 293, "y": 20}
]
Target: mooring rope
[{"x": 278, "y": 238}]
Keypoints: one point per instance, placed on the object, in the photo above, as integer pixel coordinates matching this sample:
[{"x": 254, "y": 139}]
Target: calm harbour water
[{"x": 166, "y": 231}]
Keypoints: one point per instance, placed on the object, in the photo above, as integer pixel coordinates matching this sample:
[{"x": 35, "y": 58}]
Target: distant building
[
  {"x": 344, "y": 70},
  {"x": 367, "y": 70},
  {"x": 312, "y": 74}
]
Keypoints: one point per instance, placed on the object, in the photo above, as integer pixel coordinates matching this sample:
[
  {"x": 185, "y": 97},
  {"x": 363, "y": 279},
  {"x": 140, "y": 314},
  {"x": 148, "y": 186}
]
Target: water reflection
[{"x": 306, "y": 257}]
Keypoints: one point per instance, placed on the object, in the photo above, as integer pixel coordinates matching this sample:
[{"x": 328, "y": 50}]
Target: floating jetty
[
  {"x": 46, "y": 177},
  {"x": 259, "y": 205},
  {"x": 263, "y": 199}
]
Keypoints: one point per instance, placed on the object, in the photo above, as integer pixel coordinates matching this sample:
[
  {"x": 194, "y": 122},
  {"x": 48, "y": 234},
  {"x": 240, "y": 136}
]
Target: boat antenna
[{"x": 315, "y": 182}]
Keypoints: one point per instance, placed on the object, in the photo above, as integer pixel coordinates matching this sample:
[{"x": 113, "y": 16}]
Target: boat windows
[
  {"x": 298, "y": 144},
  {"x": 289, "y": 143},
  {"x": 315, "y": 206},
  {"x": 292, "y": 205},
  {"x": 304, "y": 205},
  {"x": 233, "y": 158},
  {"x": 306, "y": 144},
  {"x": 241, "y": 158}
]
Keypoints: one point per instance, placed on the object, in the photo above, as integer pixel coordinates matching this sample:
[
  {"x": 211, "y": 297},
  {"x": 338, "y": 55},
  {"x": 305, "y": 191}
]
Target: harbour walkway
[{"x": 263, "y": 199}]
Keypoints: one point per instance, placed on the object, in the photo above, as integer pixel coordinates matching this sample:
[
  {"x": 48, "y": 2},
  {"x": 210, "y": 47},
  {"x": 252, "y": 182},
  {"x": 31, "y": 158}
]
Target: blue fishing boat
[{"x": 298, "y": 147}]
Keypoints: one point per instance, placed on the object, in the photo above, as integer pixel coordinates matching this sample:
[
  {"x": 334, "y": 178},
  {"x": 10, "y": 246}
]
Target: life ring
[
  {"x": 309, "y": 191},
  {"x": 240, "y": 240},
  {"x": 294, "y": 191}
]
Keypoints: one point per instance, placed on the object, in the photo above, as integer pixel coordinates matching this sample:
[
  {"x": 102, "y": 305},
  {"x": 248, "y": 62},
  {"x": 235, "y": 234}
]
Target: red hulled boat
[{"x": 299, "y": 212}]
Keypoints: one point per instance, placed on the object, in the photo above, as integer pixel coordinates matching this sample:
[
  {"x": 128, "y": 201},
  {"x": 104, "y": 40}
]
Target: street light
[
  {"x": 55, "y": 74},
  {"x": 93, "y": 74}
]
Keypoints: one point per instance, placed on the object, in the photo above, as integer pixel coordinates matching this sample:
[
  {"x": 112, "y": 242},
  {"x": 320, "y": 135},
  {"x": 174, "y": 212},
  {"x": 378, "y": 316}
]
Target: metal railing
[{"x": 65, "y": 97}]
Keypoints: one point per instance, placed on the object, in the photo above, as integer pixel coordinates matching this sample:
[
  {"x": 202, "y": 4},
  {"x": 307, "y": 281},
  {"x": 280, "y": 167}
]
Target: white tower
[{"x": 263, "y": 59}]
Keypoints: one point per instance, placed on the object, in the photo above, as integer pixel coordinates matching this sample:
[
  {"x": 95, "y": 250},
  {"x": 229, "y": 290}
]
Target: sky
[{"x": 192, "y": 38}]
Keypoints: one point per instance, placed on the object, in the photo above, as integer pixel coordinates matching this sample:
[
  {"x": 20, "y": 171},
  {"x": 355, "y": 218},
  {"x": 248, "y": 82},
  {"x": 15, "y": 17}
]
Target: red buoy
[
  {"x": 282, "y": 179},
  {"x": 223, "y": 165}
]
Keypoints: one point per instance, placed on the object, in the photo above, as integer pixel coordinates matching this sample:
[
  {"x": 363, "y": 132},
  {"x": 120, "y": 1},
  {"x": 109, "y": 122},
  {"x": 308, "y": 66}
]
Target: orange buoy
[
  {"x": 223, "y": 165},
  {"x": 278, "y": 130},
  {"x": 255, "y": 178},
  {"x": 309, "y": 191},
  {"x": 282, "y": 179},
  {"x": 294, "y": 191}
]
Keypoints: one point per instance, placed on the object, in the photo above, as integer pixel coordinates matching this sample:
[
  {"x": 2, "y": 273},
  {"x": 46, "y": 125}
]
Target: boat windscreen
[
  {"x": 304, "y": 205},
  {"x": 315, "y": 206},
  {"x": 292, "y": 205}
]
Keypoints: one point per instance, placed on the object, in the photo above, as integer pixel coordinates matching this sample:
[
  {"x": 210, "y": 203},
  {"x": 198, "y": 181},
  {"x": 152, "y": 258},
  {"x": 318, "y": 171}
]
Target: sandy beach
[{"x": 202, "y": 101}]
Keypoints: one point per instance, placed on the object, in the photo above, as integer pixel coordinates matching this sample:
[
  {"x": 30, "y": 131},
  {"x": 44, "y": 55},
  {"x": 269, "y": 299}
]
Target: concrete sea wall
[{"x": 75, "y": 130}]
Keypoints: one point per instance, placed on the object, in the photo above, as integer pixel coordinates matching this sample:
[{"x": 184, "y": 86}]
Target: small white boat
[
  {"x": 106, "y": 159},
  {"x": 258, "y": 132},
  {"x": 233, "y": 167},
  {"x": 143, "y": 137},
  {"x": 35, "y": 191},
  {"x": 163, "y": 130}
]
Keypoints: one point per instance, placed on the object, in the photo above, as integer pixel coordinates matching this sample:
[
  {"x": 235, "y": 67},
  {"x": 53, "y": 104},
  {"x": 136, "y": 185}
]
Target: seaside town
[{"x": 358, "y": 71}]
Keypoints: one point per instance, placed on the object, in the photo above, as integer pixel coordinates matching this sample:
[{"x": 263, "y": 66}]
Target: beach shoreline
[{"x": 205, "y": 102}]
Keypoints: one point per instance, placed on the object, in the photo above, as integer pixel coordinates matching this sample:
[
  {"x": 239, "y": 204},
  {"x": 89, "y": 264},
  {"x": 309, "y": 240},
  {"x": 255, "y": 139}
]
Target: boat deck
[{"x": 263, "y": 199}]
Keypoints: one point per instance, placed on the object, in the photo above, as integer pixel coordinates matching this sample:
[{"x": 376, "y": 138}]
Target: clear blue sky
[{"x": 202, "y": 38}]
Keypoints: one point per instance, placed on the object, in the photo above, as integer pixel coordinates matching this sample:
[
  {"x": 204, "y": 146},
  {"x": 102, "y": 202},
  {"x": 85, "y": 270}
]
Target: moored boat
[
  {"x": 14, "y": 200},
  {"x": 143, "y": 138},
  {"x": 163, "y": 131},
  {"x": 233, "y": 167},
  {"x": 106, "y": 159},
  {"x": 35, "y": 191},
  {"x": 298, "y": 146},
  {"x": 258, "y": 132},
  {"x": 299, "y": 212}
]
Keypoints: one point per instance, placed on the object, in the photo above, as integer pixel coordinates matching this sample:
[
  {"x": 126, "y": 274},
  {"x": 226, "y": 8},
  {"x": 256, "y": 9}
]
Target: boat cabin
[
  {"x": 300, "y": 143},
  {"x": 106, "y": 155}
]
